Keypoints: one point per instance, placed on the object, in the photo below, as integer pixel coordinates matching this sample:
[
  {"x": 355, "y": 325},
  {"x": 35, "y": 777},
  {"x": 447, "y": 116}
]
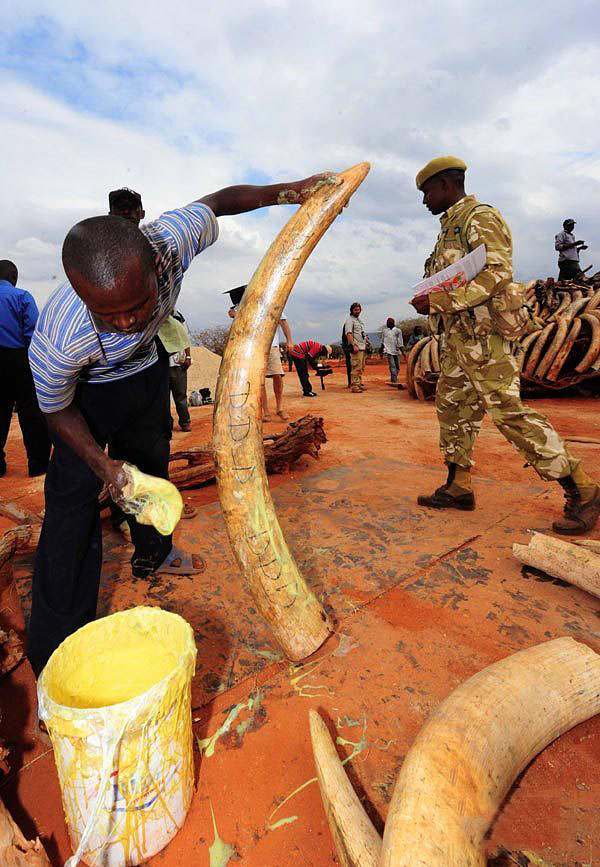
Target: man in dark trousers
[
  {"x": 18, "y": 315},
  {"x": 302, "y": 354},
  {"x": 100, "y": 375},
  {"x": 568, "y": 252}
]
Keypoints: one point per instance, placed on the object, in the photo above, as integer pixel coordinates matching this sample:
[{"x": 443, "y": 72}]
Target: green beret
[{"x": 439, "y": 164}]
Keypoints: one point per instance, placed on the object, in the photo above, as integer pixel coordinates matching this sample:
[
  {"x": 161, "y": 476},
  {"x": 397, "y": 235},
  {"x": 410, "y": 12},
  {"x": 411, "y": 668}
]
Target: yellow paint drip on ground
[
  {"x": 207, "y": 745},
  {"x": 105, "y": 676},
  {"x": 220, "y": 852}
]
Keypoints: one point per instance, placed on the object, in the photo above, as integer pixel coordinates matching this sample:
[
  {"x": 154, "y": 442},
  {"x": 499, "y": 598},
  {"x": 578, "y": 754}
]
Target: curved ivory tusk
[
  {"x": 356, "y": 841},
  {"x": 525, "y": 344},
  {"x": 563, "y": 352},
  {"x": 565, "y": 300},
  {"x": 537, "y": 351},
  {"x": 561, "y": 332},
  {"x": 593, "y": 302},
  {"x": 594, "y": 347},
  {"x": 468, "y": 754},
  {"x": 413, "y": 357},
  {"x": 464, "y": 760},
  {"x": 279, "y": 590}
]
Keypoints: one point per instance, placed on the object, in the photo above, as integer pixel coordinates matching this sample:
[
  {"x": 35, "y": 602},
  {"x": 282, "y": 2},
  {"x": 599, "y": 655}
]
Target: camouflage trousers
[{"x": 479, "y": 375}]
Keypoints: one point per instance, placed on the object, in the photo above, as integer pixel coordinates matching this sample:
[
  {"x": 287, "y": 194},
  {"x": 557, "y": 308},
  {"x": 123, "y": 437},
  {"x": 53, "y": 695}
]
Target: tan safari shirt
[{"x": 469, "y": 309}]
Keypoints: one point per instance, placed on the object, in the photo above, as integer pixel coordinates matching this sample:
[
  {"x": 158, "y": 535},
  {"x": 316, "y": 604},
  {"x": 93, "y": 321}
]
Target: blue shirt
[
  {"x": 71, "y": 346},
  {"x": 18, "y": 315}
]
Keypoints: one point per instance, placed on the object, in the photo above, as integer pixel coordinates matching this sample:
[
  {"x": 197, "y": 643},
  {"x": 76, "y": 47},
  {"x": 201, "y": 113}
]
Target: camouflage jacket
[{"x": 492, "y": 302}]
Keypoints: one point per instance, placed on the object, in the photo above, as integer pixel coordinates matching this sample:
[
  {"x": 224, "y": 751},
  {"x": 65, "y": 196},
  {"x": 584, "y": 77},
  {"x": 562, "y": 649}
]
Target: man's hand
[
  {"x": 289, "y": 345},
  {"x": 299, "y": 191},
  {"x": 421, "y": 304},
  {"x": 115, "y": 478}
]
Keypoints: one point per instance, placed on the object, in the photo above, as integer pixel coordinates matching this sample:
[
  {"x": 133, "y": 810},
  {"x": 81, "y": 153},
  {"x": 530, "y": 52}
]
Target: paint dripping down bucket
[{"x": 116, "y": 699}]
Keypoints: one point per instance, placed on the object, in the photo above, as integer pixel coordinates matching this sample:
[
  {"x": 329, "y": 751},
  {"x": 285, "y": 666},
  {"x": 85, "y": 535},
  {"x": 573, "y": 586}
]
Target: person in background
[
  {"x": 568, "y": 252},
  {"x": 18, "y": 315},
  {"x": 392, "y": 343},
  {"x": 126, "y": 203},
  {"x": 274, "y": 369},
  {"x": 175, "y": 337},
  {"x": 302, "y": 354},
  {"x": 358, "y": 343},
  {"x": 479, "y": 370},
  {"x": 416, "y": 335}
]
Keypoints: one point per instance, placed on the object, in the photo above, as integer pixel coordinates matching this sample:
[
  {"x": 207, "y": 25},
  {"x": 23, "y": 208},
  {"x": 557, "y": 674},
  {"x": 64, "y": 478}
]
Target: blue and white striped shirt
[{"x": 68, "y": 347}]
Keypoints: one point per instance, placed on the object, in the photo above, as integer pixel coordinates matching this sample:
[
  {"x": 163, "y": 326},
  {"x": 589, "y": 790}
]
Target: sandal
[
  {"x": 282, "y": 414},
  {"x": 189, "y": 564},
  {"x": 267, "y": 416}
]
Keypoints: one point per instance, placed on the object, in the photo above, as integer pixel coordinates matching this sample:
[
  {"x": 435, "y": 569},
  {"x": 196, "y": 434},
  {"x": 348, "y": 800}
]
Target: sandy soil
[{"x": 421, "y": 600}]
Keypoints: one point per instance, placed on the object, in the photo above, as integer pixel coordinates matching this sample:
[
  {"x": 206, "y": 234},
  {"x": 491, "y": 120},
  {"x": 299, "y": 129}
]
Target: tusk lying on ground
[
  {"x": 562, "y": 559},
  {"x": 296, "y": 617},
  {"x": 356, "y": 841},
  {"x": 466, "y": 757}
]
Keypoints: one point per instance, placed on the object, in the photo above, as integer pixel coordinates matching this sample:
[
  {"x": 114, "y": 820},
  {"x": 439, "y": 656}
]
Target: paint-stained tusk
[
  {"x": 469, "y": 753},
  {"x": 356, "y": 841},
  {"x": 296, "y": 617}
]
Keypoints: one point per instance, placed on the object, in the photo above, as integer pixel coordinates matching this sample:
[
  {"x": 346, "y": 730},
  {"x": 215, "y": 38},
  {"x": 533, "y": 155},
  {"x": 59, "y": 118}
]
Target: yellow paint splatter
[
  {"x": 220, "y": 852},
  {"x": 207, "y": 745},
  {"x": 308, "y": 690}
]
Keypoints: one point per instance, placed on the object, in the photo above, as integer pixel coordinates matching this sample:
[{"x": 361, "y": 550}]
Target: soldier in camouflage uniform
[{"x": 479, "y": 372}]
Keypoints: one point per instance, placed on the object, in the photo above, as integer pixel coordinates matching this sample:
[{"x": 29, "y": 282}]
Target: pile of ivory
[
  {"x": 579, "y": 563},
  {"x": 562, "y": 352},
  {"x": 463, "y": 761}
]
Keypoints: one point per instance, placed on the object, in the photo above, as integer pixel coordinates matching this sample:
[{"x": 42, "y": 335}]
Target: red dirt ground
[{"x": 421, "y": 600}]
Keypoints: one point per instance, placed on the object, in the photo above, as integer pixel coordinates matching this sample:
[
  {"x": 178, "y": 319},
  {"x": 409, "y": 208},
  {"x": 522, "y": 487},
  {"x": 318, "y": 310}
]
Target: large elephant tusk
[
  {"x": 565, "y": 349},
  {"x": 537, "y": 351},
  {"x": 593, "y": 302},
  {"x": 561, "y": 332},
  {"x": 525, "y": 344},
  {"x": 297, "y": 619},
  {"x": 467, "y": 756},
  {"x": 594, "y": 347},
  {"x": 356, "y": 841},
  {"x": 435, "y": 355},
  {"x": 413, "y": 357}
]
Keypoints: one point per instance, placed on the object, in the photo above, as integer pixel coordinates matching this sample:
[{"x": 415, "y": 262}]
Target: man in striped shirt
[
  {"x": 302, "y": 354},
  {"x": 100, "y": 375}
]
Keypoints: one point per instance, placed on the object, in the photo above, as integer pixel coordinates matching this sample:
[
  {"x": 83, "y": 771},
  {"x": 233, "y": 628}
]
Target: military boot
[
  {"x": 582, "y": 504},
  {"x": 455, "y": 494}
]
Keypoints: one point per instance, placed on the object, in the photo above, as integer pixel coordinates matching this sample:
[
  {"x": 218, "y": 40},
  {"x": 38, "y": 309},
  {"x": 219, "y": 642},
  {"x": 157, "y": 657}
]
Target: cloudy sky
[{"x": 179, "y": 99}]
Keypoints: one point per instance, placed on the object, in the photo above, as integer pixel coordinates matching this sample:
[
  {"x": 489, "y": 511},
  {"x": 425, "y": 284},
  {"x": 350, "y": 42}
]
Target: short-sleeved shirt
[
  {"x": 572, "y": 254},
  {"x": 354, "y": 326},
  {"x": 392, "y": 340},
  {"x": 306, "y": 348},
  {"x": 69, "y": 345},
  {"x": 18, "y": 315}
]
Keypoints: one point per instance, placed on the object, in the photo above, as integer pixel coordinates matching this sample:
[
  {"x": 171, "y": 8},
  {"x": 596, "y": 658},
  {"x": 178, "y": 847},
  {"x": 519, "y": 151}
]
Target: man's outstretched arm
[{"x": 246, "y": 197}]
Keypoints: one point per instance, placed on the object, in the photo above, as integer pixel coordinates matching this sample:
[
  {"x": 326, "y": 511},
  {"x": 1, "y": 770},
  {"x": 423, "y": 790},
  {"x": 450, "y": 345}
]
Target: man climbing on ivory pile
[
  {"x": 100, "y": 375},
  {"x": 479, "y": 372}
]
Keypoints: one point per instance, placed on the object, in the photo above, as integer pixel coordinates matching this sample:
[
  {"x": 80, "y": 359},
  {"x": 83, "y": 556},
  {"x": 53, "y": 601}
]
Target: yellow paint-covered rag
[{"x": 151, "y": 500}]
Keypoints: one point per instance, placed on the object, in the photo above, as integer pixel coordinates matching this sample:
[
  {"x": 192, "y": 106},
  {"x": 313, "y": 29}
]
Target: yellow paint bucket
[{"x": 116, "y": 699}]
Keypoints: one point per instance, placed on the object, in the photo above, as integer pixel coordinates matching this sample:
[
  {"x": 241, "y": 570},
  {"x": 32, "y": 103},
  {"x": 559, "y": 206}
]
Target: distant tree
[{"x": 214, "y": 338}]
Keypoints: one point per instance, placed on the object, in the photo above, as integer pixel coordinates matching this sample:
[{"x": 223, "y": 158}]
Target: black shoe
[
  {"x": 441, "y": 499},
  {"x": 309, "y": 394}
]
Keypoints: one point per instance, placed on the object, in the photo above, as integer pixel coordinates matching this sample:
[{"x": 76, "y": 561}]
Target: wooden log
[
  {"x": 469, "y": 753},
  {"x": 281, "y": 594},
  {"x": 563, "y": 352},
  {"x": 560, "y": 559},
  {"x": 356, "y": 841},
  {"x": 15, "y": 850},
  {"x": 594, "y": 347}
]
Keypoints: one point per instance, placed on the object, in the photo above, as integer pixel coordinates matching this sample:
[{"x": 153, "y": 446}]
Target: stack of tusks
[
  {"x": 562, "y": 352},
  {"x": 464, "y": 760}
]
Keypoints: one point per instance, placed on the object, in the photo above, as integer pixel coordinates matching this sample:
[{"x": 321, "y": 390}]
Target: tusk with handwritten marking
[{"x": 296, "y": 617}]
